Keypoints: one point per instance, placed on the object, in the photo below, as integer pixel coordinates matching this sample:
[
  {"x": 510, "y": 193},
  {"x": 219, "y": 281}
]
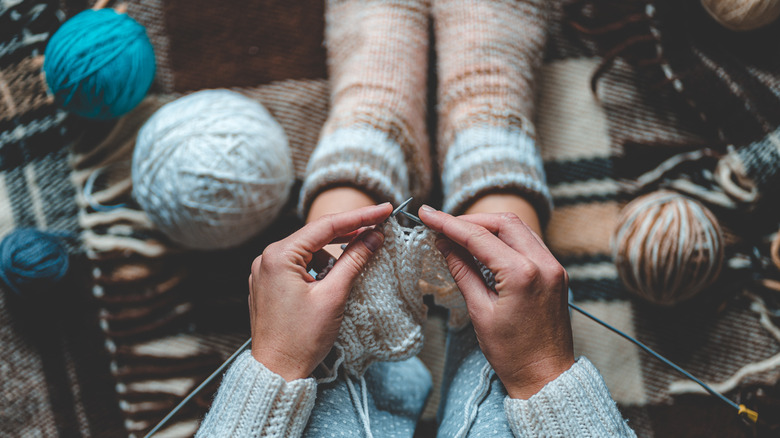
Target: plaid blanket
[{"x": 157, "y": 320}]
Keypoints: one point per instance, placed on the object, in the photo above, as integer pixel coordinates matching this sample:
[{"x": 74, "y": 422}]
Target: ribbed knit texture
[
  {"x": 384, "y": 316},
  {"x": 375, "y": 137},
  {"x": 254, "y": 401},
  {"x": 488, "y": 55},
  {"x": 577, "y": 403}
]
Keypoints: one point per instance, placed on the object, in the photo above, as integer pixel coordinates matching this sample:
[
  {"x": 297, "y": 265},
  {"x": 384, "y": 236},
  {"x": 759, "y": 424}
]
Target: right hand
[
  {"x": 295, "y": 320},
  {"x": 524, "y": 330}
]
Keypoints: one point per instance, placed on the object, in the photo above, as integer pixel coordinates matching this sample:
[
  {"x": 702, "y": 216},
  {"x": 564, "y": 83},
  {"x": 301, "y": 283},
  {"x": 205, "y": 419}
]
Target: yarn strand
[{"x": 361, "y": 406}]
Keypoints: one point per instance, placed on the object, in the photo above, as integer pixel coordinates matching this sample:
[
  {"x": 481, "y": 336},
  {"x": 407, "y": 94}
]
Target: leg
[
  {"x": 374, "y": 146},
  {"x": 488, "y": 55},
  {"x": 397, "y": 392},
  {"x": 507, "y": 202},
  {"x": 472, "y": 402}
]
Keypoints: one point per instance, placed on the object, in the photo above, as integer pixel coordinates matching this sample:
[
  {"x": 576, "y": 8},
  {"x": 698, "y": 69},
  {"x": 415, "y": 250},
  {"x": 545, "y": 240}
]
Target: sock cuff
[
  {"x": 361, "y": 157},
  {"x": 485, "y": 159}
]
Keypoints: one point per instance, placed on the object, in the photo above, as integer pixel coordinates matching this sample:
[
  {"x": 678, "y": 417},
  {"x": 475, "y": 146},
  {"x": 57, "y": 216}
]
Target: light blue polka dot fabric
[
  {"x": 472, "y": 397},
  {"x": 397, "y": 392}
]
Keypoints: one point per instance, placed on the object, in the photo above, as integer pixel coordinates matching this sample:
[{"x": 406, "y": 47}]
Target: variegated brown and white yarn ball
[
  {"x": 667, "y": 247},
  {"x": 743, "y": 15}
]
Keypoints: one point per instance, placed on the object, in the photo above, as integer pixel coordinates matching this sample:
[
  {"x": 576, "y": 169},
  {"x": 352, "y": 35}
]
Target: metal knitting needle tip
[
  {"x": 412, "y": 217},
  {"x": 401, "y": 207}
]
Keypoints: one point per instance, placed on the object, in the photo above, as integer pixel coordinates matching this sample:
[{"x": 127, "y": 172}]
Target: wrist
[
  {"x": 284, "y": 365},
  {"x": 525, "y": 382}
]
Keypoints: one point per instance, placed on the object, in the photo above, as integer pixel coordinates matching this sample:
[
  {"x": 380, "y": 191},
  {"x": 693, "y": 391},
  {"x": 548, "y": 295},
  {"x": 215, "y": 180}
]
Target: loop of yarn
[
  {"x": 743, "y": 15},
  {"x": 99, "y": 64},
  {"x": 667, "y": 247},
  {"x": 32, "y": 260},
  {"x": 211, "y": 169}
]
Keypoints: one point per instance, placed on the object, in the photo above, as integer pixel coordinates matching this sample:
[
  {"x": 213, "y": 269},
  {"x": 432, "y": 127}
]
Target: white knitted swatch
[{"x": 385, "y": 313}]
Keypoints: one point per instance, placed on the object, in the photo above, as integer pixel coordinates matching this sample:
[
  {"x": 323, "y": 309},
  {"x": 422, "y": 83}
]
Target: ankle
[{"x": 507, "y": 203}]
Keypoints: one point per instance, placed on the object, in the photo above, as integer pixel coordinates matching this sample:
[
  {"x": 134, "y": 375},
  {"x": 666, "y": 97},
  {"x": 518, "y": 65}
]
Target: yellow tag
[{"x": 749, "y": 413}]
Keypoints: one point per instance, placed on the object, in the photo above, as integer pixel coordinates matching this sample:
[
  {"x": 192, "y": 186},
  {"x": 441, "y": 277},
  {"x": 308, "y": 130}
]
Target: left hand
[{"x": 295, "y": 319}]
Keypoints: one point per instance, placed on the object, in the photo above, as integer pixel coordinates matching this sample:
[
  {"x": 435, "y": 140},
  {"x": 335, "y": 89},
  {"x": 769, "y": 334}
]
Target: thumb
[
  {"x": 352, "y": 262},
  {"x": 466, "y": 275}
]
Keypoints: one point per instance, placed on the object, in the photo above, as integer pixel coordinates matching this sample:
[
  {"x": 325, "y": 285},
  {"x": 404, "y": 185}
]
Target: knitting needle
[
  {"x": 196, "y": 390},
  {"x": 401, "y": 209},
  {"x": 742, "y": 410},
  {"x": 412, "y": 217}
]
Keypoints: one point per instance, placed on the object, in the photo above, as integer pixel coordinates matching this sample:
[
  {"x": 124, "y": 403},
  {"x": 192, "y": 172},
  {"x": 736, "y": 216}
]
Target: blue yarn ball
[
  {"x": 99, "y": 64},
  {"x": 32, "y": 260}
]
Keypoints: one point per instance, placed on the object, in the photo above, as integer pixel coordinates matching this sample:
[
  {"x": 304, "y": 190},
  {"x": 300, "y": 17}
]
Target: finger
[
  {"x": 476, "y": 239},
  {"x": 312, "y": 237},
  {"x": 349, "y": 236},
  {"x": 340, "y": 279},
  {"x": 537, "y": 237},
  {"x": 251, "y": 301},
  {"x": 512, "y": 230},
  {"x": 251, "y": 309},
  {"x": 466, "y": 275}
]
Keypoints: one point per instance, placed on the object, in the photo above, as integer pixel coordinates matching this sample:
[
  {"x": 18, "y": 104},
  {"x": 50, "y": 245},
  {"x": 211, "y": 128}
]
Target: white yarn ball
[{"x": 211, "y": 169}]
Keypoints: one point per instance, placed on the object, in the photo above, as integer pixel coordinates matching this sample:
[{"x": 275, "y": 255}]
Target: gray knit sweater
[{"x": 253, "y": 402}]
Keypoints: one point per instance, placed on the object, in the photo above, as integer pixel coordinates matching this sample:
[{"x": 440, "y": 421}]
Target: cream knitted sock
[
  {"x": 488, "y": 54},
  {"x": 375, "y": 137}
]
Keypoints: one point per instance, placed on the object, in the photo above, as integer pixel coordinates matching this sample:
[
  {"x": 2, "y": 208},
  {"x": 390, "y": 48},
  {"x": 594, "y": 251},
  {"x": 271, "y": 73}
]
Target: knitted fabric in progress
[{"x": 384, "y": 316}]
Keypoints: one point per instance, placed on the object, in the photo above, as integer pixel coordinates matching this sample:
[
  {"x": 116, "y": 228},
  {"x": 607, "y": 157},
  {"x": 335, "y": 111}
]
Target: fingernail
[
  {"x": 428, "y": 208},
  {"x": 372, "y": 239},
  {"x": 444, "y": 247}
]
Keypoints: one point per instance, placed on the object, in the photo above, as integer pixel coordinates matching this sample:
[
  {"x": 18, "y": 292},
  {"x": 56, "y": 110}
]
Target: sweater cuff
[
  {"x": 577, "y": 403},
  {"x": 484, "y": 159},
  {"x": 361, "y": 157},
  {"x": 254, "y": 401}
]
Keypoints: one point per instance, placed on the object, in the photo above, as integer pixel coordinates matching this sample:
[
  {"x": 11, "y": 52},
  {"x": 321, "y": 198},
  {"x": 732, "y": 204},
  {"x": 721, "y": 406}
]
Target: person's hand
[
  {"x": 337, "y": 199},
  {"x": 295, "y": 319},
  {"x": 524, "y": 329}
]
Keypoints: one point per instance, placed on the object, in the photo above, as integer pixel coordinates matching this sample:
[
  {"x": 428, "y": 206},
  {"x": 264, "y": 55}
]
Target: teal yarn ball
[
  {"x": 32, "y": 261},
  {"x": 99, "y": 64}
]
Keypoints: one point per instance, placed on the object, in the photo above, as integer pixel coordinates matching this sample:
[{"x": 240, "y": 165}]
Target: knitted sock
[
  {"x": 375, "y": 137},
  {"x": 488, "y": 54}
]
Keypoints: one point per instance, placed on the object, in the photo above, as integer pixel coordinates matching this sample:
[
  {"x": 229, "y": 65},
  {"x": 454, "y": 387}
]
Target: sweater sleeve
[
  {"x": 577, "y": 403},
  {"x": 376, "y": 136},
  {"x": 488, "y": 56},
  {"x": 255, "y": 402}
]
